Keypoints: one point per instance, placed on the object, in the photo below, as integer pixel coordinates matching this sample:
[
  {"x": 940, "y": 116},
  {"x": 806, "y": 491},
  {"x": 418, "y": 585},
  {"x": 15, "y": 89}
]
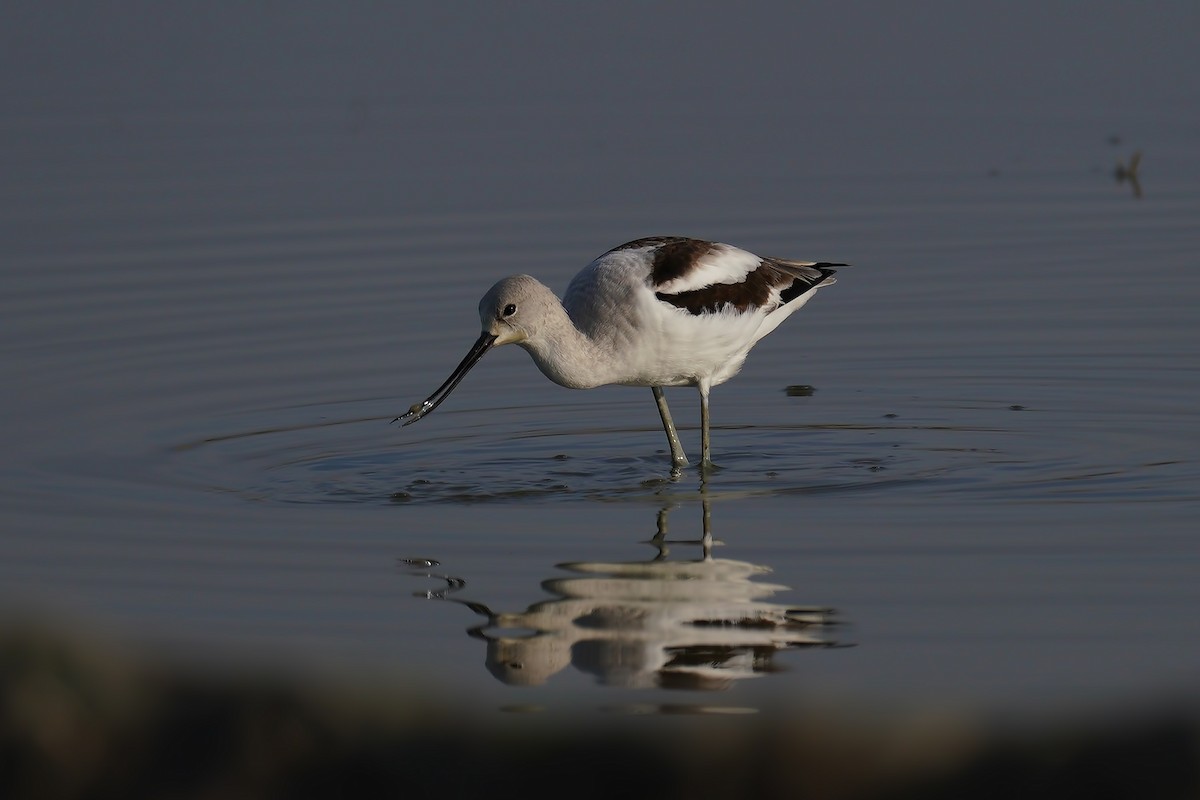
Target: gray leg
[
  {"x": 678, "y": 459},
  {"x": 705, "y": 461}
]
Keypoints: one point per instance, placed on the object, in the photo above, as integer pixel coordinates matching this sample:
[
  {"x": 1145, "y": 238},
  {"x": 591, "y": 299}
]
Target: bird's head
[{"x": 513, "y": 310}]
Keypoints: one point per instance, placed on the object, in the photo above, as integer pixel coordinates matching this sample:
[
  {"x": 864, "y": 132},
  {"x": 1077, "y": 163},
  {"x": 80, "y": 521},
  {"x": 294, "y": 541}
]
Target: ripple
[{"x": 538, "y": 456}]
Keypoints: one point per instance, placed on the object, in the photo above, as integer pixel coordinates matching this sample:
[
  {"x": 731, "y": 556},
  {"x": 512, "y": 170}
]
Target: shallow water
[{"x": 212, "y": 312}]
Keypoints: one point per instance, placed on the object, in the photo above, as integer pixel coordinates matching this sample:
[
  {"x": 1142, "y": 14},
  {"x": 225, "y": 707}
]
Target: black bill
[{"x": 481, "y": 346}]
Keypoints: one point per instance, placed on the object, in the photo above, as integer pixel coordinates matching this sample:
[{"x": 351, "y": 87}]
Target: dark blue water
[{"x": 232, "y": 253}]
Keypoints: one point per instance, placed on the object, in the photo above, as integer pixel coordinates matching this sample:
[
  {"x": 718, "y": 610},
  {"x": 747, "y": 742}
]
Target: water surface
[{"x": 215, "y": 305}]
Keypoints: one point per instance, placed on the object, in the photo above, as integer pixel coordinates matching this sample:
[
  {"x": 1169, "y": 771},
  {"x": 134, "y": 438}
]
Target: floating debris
[{"x": 1128, "y": 173}]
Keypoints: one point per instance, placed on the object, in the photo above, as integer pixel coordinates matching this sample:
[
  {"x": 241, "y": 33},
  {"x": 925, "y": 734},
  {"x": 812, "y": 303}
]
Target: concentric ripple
[{"x": 539, "y": 455}]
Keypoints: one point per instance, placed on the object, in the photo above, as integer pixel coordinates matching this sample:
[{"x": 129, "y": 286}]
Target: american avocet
[{"x": 660, "y": 311}]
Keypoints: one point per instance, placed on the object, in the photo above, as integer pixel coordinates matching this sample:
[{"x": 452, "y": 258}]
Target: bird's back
[{"x": 678, "y": 311}]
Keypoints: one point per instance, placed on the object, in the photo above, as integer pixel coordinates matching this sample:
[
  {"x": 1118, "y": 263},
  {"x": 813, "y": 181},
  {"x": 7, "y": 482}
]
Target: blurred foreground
[{"x": 82, "y": 720}]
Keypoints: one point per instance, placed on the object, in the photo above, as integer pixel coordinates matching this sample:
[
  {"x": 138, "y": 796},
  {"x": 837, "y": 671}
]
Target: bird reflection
[{"x": 701, "y": 623}]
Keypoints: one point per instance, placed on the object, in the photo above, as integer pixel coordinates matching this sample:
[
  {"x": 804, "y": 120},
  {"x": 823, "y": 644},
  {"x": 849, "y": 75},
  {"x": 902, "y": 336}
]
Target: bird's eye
[{"x": 510, "y": 309}]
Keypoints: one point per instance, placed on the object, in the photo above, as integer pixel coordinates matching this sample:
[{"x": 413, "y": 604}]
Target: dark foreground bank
[{"x": 80, "y": 721}]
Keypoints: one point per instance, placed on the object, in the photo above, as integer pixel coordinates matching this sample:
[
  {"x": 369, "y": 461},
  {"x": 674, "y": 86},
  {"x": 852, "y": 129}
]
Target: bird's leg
[
  {"x": 678, "y": 459},
  {"x": 705, "y": 461}
]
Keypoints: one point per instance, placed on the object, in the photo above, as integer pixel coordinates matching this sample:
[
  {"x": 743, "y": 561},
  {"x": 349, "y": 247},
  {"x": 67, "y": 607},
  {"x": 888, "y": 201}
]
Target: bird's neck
[{"x": 568, "y": 356}]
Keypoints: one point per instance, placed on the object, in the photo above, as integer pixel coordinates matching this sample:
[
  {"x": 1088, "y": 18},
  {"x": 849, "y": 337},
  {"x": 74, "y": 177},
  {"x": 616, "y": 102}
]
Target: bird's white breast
[{"x": 648, "y": 342}]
